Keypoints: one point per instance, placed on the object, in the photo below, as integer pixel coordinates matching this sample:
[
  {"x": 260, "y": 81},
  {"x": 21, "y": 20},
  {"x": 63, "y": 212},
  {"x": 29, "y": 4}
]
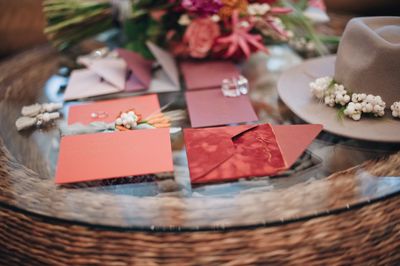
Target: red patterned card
[{"x": 229, "y": 153}]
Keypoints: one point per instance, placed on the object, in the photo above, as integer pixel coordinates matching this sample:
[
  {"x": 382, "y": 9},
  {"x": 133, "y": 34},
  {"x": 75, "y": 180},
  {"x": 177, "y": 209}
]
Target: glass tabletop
[{"x": 155, "y": 202}]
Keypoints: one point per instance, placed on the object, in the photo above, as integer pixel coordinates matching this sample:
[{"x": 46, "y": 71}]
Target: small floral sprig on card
[
  {"x": 197, "y": 29},
  {"x": 352, "y": 105}
]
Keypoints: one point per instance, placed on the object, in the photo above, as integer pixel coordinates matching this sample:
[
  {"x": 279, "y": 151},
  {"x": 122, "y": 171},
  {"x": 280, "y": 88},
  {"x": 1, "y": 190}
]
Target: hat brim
[{"x": 294, "y": 90}]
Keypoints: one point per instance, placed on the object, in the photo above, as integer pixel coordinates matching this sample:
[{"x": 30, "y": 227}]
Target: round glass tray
[{"x": 308, "y": 189}]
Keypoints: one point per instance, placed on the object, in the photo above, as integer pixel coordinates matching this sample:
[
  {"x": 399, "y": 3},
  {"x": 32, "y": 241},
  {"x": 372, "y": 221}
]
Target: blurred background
[{"x": 22, "y": 21}]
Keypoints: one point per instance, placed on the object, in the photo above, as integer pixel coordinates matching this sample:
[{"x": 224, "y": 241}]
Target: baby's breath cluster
[
  {"x": 355, "y": 104},
  {"x": 330, "y": 92},
  {"x": 395, "y": 109},
  {"x": 128, "y": 120}
]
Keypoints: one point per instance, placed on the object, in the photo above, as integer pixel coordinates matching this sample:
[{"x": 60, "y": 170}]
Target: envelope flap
[
  {"x": 294, "y": 139},
  {"x": 112, "y": 70},
  {"x": 140, "y": 67},
  {"x": 167, "y": 62},
  {"x": 208, "y": 148},
  {"x": 237, "y": 130}
]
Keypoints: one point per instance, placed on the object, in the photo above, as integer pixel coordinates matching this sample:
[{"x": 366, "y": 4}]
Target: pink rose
[
  {"x": 157, "y": 14},
  {"x": 200, "y": 36}
]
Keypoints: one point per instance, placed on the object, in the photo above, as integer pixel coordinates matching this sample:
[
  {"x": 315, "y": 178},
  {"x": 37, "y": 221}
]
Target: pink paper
[
  {"x": 206, "y": 75},
  {"x": 144, "y": 105},
  {"x": 98, "y": 156},
  {"x": 167, "y": 62},
  {"x": 84, "y": 83},
  {"x": 133, "y": 84},
  {"x": 113, "y": 70},
  {"x": 212, "y": 108},
  {"x": 139, "y": 66}
]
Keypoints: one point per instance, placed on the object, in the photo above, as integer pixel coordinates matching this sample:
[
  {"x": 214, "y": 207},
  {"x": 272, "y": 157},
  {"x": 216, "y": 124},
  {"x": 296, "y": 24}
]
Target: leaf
[{"x": 340, "y": 113}]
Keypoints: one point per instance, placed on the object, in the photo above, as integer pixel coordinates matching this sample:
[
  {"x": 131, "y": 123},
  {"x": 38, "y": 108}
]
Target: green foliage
[
  {"x": 139, "y": 31},
  {"x": 297, "y": 21}
]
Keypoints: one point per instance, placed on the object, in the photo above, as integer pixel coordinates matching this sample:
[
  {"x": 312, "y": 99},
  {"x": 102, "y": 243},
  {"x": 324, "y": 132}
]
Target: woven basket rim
[{"x": 175, "y": 229}]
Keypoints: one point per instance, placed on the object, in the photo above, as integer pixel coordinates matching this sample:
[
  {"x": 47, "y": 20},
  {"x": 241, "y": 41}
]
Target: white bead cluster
[
  {"x": 320, "y": 86},
  {"x": 332, "y": 94},
  {"x": 337, "y": 95},
  {"x": 395, "y": 109},
  {"x": 356, "y": 104},
  {"x": 128, "y": 120},
  {"x": 363, "y": 103}
]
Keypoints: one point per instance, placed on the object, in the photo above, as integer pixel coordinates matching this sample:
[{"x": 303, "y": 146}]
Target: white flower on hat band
[
  {"x": 355, "y": 104},
  {"x": 395, "y": 109}
]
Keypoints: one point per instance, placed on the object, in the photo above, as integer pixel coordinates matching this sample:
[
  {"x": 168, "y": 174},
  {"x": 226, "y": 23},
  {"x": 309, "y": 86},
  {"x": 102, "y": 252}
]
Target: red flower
[{"x": 240, "y": 40}]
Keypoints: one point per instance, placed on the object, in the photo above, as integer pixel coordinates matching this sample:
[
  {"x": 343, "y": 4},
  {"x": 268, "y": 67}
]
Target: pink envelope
[
  {"x": 139, "y": 67},
  {"x": 110, "y": 155},
  {"x": 206, "y": 75},
  {"x": 142, "y": 76},
  {"x": 82, "y": 113},
  {"x": 84, "y": 83},
  {"x": 112, "y": 70},
  {"x": 212, "y": 108}
]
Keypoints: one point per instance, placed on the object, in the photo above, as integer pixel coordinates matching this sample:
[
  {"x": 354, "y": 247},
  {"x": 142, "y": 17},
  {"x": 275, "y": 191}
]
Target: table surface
[{"x": 334, "y": 174}]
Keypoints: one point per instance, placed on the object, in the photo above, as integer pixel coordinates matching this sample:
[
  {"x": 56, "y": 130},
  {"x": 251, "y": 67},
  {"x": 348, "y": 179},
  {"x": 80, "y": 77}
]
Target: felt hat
[{"x": 368, "y": 61}]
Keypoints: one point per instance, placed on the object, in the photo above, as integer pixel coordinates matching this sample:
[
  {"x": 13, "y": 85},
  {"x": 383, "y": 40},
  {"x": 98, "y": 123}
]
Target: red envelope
[
  {"x": 206, "y": 75},
  {"x": 82, "y": 113},
  {"x": 229, "y": 153},
  {"x": 212, "y": 108},
  {"x": 110, "y": 155}
]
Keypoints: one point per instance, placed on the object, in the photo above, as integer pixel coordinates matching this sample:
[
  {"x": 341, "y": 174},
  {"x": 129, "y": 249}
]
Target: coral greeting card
[
  {"x": 110, "y": 155},
  {"x": 212, "y": 108},
  {"x": 229, "y": 153},
  {"x": 108, "y": 111}
]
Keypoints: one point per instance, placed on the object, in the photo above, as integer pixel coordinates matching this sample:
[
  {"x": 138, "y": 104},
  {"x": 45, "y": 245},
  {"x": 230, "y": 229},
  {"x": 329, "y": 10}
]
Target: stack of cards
[
  {"x": 206, "y": 103},
  {"x": 215, "y": 154},
  {"x": 99, "y": 156},
  {"x": 128, "y": 72}
]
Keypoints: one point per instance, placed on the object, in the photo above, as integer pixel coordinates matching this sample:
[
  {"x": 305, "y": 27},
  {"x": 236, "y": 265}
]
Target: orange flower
[{"x": 230, "y": 5}]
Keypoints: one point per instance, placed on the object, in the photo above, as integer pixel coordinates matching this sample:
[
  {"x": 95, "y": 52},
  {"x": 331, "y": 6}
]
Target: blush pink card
[
  {"x": 82, "y": 113},
  {"x": 212, "y": 108},
  {"x": 99, "y": 156},
  {"x": 207, "y": 75}
]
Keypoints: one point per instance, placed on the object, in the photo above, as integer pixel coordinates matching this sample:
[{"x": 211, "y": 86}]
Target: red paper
[
  {"x": 110, "y": 155},
  {"x": 212, "y": 108},
  {"x": 144, "y": 105},
  {"x": 207, "y": 75},
  {"x": 229, "y": 153}
]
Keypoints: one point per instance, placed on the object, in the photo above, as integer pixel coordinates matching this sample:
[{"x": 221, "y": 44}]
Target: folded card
[
  {"x": 108, "y": 111},
  {"x": 229, "y": 153},
  {"x": 129, "y": 72},
  {"x": 84, "y": 83},
  {"x": 162, "y": 79},
  {"x": 111, "y": 155},
  {"x": 208, "y": 74},
  {"x": 212, "y": 108}
]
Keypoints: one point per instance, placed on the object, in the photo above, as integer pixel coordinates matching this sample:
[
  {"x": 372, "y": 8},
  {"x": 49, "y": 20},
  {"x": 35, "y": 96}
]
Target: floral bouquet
[{"x": 196, "y": 29}]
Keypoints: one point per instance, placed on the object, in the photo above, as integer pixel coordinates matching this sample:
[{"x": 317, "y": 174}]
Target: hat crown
[{"x": 368, "y": 58}]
